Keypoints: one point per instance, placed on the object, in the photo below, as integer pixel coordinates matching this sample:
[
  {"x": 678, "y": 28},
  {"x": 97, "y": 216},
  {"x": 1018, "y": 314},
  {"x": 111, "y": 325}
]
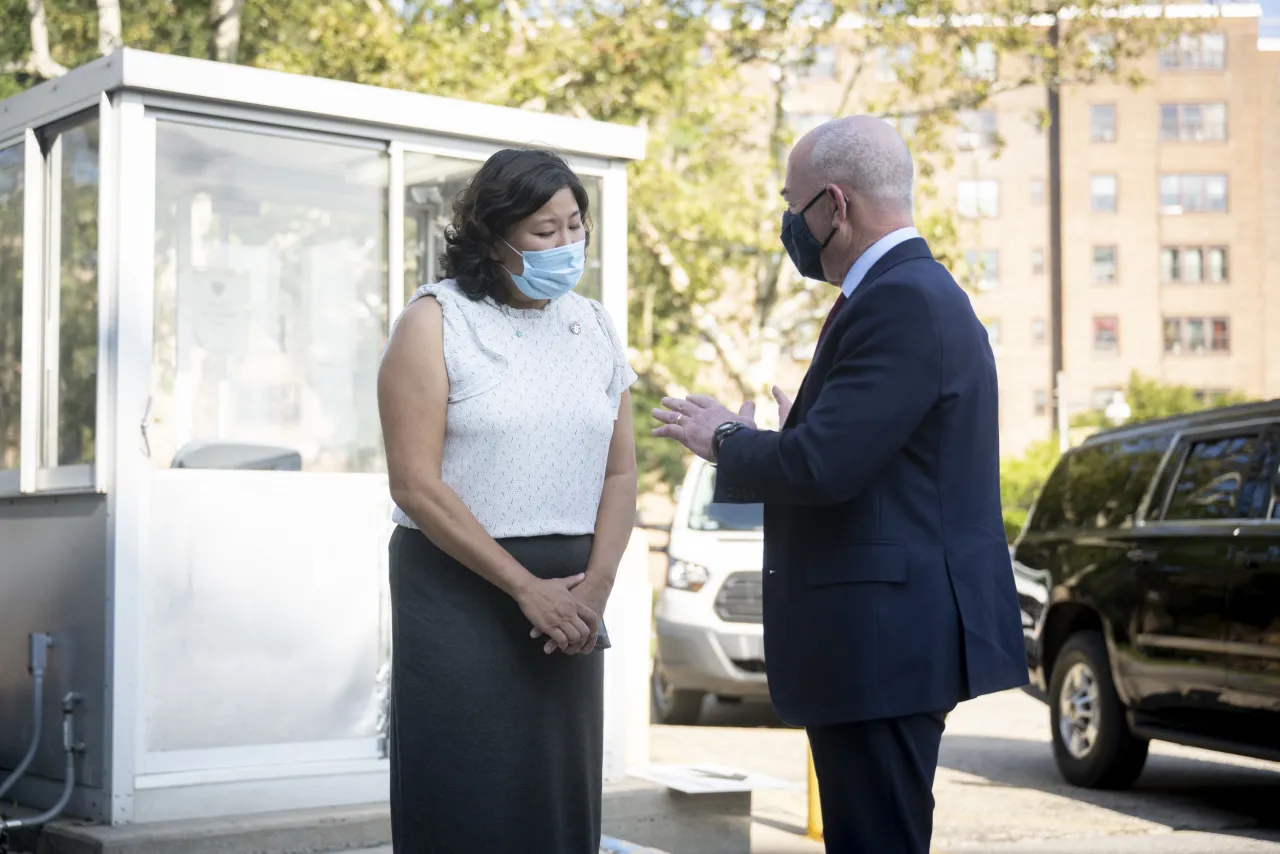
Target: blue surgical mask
[
  {"x": 551, "y": 273},
  {"x": 801, "y": 245}
]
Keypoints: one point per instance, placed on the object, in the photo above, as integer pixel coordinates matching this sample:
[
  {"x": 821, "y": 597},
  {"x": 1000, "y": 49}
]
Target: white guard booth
[{"x": 198, "y": 268}]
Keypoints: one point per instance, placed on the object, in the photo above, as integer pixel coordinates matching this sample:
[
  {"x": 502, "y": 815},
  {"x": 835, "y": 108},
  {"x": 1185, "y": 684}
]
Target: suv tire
[
  {"x": 673, "y": 706},
  {"x": 1092, "y": 744}
]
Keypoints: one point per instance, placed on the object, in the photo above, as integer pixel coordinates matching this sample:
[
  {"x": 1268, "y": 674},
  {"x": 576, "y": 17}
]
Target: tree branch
[
  {"x": 224, "y": 15},
  {"x": 40, "y": 62},
  {"x": 703, "y": 319},
  {"x": 109, "y": 34}
]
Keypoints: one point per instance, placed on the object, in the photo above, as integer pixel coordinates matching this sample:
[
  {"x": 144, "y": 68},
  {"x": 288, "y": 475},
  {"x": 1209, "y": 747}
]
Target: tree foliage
[{"x": 715, "y": 304}]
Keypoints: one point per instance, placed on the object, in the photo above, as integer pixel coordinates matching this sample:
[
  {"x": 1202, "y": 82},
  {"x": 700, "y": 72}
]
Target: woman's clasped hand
[{"x": 556, "y": 611}]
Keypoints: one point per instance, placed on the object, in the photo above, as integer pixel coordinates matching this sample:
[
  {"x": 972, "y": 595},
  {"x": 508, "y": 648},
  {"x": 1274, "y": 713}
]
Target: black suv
[{"x": 1149, "y": 577}]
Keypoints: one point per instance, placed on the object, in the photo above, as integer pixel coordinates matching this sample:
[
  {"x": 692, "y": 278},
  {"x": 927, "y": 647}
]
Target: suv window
[
  {"x": 1211, "y": 480},
  {"x": 1108, "y": 481},
  {"x": 1100, "y": 486}
]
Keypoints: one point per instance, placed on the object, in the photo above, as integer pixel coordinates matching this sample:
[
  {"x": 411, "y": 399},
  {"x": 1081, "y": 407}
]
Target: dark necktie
[{"x": 835, "y": 309}]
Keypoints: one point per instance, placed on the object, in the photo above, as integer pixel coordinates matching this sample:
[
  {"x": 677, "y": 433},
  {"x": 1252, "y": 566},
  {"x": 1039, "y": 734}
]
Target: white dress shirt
[{"x": 874, "y": 253}]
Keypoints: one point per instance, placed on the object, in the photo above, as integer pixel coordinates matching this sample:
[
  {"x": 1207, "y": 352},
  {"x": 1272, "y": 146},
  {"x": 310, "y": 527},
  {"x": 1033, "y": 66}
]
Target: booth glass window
[
  {"x": 71, "y": 402},
  {"x": 12, "y": 205},
  {"x": 431, "y": 183},
  {"x": 270, "y": 302}
]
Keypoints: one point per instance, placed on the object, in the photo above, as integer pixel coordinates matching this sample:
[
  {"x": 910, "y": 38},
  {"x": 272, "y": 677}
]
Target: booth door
[{"x": 264, "y": 635}]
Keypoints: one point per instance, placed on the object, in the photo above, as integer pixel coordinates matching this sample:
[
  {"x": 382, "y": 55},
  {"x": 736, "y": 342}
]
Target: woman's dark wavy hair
[{"x": 511, "y": 185}]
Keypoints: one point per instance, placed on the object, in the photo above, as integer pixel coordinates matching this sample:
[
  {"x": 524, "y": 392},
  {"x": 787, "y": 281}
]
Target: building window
[
  {"x": 1104, "y": 265},
  {"x": 1037, "y": 192},
  {"x": 1102, "y": 123},
  {"x": 984, "y": 269},
  {"x": 993, "y": 334},
  {"x": 1196, "y": 335},
  {"x": 1195, "y": 52},
  {"x": 1194, "y": 265},
  {"x": 1106, "y": 334},
  {"x": 1193, "y": 122},
  {"x": 979, "y": 62},
  {"x": 1181, "y": 194},
  {"x": 820, "y": 63},
  {"x": 1037, "y": 262},
  {"x": 978, "y": 199},
  {"x": 977, "y": 129},
  {"x": 1100, "y": 398},
  {"x": 1102, "y": 193},
  {"x": 1037, "y": 331},
  {"x": 889, "y": 61},
  {"x": 1039, "y": 402}
]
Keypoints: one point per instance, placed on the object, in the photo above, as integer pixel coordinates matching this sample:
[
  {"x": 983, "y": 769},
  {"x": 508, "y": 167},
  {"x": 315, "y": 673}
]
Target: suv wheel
[
  {"x": 673, "y": 706},
  {"x": 1092, "y": 743}
]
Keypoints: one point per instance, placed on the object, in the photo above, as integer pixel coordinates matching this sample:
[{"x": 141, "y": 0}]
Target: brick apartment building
[{"x": 1170, "y": 221}]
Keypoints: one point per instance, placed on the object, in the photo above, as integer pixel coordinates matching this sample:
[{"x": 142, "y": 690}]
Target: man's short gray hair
[{"x": 866, "y": 155}]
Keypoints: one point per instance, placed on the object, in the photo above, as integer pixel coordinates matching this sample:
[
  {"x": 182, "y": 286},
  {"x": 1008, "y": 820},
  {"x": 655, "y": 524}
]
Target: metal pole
[
  {"x": 814, "y": 827},
  {"x": 1056, "y": 366},
  {"x": 1062, "y": 411}
]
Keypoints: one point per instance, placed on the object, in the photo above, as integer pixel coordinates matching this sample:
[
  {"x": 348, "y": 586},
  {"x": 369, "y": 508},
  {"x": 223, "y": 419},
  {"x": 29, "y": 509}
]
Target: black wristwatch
[{"x": 724, "y": 431}]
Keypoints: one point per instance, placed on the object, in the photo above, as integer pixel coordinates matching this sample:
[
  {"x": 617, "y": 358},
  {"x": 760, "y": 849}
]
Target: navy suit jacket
[{"x": 888, "y": 588}]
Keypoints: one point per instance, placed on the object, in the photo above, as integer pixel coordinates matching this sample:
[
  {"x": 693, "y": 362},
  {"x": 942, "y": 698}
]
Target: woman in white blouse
[{"x": 507, "y": 421}]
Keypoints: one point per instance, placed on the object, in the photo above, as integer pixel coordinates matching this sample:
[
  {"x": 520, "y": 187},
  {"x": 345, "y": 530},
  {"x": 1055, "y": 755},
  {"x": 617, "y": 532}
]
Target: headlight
[{"x": 686, "y": 576}]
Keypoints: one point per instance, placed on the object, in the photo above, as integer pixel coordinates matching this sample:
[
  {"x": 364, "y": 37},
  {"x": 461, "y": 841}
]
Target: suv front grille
[{"x": 741, "y": 599}]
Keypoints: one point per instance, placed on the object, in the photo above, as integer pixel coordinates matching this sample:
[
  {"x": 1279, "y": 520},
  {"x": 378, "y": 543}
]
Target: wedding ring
[{"x": 679, "y": 415}]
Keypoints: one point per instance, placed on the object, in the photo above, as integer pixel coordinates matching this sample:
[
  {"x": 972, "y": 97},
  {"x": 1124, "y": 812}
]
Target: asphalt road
[{"x": 998, "y": 792}]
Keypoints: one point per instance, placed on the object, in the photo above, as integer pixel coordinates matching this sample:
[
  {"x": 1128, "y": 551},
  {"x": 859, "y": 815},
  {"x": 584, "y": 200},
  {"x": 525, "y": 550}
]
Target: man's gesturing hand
[
  {"x": 784, "y": 405},
  {"x": 692, "y": 421}
]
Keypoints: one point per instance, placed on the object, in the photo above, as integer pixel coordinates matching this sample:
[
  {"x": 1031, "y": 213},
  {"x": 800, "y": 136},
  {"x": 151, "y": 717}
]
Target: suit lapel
[{"x": 909, "y": 250}]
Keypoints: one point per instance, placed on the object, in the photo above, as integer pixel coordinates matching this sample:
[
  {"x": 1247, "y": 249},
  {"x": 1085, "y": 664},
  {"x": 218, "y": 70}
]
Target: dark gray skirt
[{"x": 495, "y": 746}]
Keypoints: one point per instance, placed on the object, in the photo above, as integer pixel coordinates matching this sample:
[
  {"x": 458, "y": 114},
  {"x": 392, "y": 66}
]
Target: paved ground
[{"x": 999, "y": 793}]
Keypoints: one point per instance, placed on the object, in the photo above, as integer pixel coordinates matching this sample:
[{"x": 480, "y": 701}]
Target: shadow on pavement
[
  {"x": 741, "y": 714},
  {"x": 1173, "y": 791}
]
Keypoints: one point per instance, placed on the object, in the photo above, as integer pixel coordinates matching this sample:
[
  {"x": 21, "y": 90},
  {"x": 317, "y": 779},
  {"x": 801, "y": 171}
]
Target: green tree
[
  {"x": 1020, "y": 482},
  {"x": 1150, "y": 399},
  {"x": 715, "y": 303}
]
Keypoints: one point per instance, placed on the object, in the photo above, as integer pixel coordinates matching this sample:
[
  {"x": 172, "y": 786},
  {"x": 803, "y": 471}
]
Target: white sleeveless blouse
[{"x": 533, "y": 397}]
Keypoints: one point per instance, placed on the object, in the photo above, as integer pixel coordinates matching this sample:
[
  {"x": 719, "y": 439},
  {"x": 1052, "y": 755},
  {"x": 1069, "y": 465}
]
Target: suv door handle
[{"x": 1143, "y": 555}]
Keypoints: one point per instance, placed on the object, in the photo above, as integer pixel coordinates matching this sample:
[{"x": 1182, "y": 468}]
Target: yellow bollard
[{"x": 814, "y": 829}]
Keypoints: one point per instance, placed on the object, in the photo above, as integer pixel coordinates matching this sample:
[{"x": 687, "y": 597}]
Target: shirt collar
[{"x": 874, "y": 253}]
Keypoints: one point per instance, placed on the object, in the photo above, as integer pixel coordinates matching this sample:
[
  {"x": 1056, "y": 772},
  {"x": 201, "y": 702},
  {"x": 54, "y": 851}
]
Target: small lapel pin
[{"x": 575, "y": 328}]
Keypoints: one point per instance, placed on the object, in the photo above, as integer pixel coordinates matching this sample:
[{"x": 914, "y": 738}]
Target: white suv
[{"x": 710, "y": 637}]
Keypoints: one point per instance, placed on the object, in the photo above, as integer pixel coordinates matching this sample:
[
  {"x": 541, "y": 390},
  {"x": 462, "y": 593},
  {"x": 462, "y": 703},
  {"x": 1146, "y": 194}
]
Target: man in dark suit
[{"x": 888, "y": 591}]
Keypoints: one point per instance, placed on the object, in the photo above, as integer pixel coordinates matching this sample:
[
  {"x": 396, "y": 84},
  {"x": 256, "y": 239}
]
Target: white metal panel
[
  {"x": 395, "y": 234},
  {"x": 108, "y": 247},
  {"x": 261, "y": 614},
  {"x": 240, "y": 84},
  {"x": 74, "y": 92},
  {"x": 32, "y": 310},
  {"x": 129, "y": 498},
  {"x": 246, "y": 797}
]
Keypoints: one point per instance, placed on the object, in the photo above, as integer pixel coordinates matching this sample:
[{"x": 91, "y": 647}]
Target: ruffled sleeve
[
  {"x": 623, "y": 375},
  {"x": 472, "y": 357}
]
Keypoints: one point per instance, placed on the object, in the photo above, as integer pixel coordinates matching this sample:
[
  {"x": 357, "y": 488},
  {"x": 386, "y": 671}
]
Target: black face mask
[{"x": 801, "y": 245}]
